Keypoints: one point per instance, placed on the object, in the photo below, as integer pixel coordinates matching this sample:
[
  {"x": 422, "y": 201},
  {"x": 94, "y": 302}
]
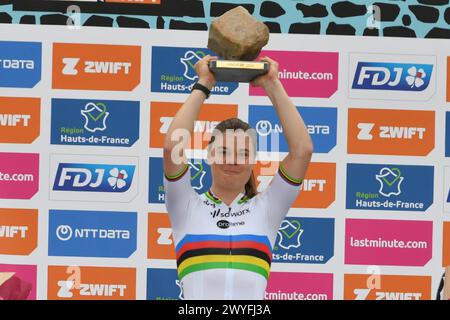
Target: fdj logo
[
  {"x": 93, "y": 177},
  {"x": 289, "y": 234},
  {"x": 95, "y": 116},
  {"x": 390, "y": 181},
  {"x": 392, "y": 76}
]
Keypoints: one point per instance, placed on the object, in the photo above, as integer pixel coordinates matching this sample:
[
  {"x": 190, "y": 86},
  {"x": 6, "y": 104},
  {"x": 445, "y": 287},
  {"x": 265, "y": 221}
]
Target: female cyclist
[{"x": 224, "y": 237}]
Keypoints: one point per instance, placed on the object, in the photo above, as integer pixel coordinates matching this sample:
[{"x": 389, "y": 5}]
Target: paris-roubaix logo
[
  {"x": 91, "y": 283},
  {"x": 95, "y": 122},
  {"x": 173, "y": 70},
  {"x": 200, "y": 178},
  {"x": 299, "y": 286},
  {"x": 103, "y": 234},
  {"x": 389, "y": 187},
  {"x": 376, "y": 286},
  {"x": 162, "y": 114},
  {"x": 163, "y": 284},
  {"x": 93, "y": 178},
  {"x": 392, "y": 77},
  {"x": 304, "y": 240},
  {"x": 20, "y": 119},
  {"x": 320, "y": 122},
  {"x": 18, "y": 231},
  {"x": 388, "y": 242},
  {"x": 18, "y": 282},
  {"x": 305, "y": 73},
  {"x": 19, "y": 175},
  {"x": 20, "y": 64},
  {"x": 96, "y": 67},
  {"x": 391, "y": 132}
]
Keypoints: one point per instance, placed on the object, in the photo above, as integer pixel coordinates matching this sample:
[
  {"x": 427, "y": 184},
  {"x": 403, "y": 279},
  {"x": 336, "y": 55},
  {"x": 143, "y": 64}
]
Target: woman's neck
[{"x": 226, "y": 195}]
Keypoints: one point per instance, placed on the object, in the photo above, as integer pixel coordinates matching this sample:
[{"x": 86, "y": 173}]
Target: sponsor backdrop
[{"x": 83, "y": 114}]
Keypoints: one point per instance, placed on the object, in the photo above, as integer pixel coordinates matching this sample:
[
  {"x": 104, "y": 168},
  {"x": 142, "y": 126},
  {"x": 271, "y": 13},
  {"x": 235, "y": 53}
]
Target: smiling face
[{"x": 231, "y": 156}]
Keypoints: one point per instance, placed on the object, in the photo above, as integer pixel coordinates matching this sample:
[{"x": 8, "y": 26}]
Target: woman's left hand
[{"x": 268, "y": 78}]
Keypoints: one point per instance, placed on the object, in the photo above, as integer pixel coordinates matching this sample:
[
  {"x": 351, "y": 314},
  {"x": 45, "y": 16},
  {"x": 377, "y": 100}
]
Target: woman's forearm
[
  {"x": 294, "y": 129},
  {"x": 185, "y": 119}
]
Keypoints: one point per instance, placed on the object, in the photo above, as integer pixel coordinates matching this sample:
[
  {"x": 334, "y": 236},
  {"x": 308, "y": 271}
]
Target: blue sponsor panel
[
  {"x": 389, "y": 187},
  {"x": 163, "y": 284},
  {"x": 304, "y": 240},
  {"x": 92, "y": 233},
  {"x": 173, "y": 70},
  {"x": 321, "y": 124},
  {"x": 93, "y": 177},
  {"x": 200, "y": 178},
  {"x": 95, "y": 122},
  {"x": 392, "y": 76},
  {"x": 20, "y": 64}
]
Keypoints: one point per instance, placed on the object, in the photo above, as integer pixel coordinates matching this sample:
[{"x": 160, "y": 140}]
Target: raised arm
[
  {"x": 299, "y": 142},
  {"x": 182, "y": 126}
]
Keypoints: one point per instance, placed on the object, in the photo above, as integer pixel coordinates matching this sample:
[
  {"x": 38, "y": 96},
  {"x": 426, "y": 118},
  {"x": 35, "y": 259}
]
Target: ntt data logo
[
  {"x": 304, "y": 240},
  {"x": 94, "y": 181},
  {"x": 389, "y": 187},
  {"x": 20, "y": 64},
  {"x": 95, "y": 122},
  {"x": 398, "y": 77},
  {"x": 320, "y": 122},
  {"x": 92, "y": 233},
  {"x": 177, "y": 73}
]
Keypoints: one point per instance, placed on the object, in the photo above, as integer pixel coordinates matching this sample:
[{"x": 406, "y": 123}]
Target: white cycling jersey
[{"x": 225, "y": 252}]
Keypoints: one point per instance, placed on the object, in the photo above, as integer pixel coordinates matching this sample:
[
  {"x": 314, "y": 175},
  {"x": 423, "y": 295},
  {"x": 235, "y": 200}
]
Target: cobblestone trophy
[{"x": 238, "y": 38}]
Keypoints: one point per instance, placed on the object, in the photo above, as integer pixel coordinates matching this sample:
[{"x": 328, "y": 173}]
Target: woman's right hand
[{"x": 205, "y": 76}]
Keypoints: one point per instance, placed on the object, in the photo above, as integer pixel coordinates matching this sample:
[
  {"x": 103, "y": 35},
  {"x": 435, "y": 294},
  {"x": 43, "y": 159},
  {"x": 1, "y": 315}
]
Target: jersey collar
[{"x": 241, "y": 196}]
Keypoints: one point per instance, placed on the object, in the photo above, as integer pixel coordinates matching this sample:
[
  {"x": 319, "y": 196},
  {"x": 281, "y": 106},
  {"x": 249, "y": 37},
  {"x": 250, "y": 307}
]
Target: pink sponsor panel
[
  {"x": 388, "y": 242},
  {"x": 17, "y": 282},
  {"x": 299, "y": 286},
  {"x": 305, "y": 73},
  {"x": 19, "y": 175}
]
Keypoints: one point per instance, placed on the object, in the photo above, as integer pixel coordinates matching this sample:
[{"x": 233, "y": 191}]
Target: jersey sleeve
[
  {"x": 178, "y": 194},
  {"x": 279, "y": 197}
]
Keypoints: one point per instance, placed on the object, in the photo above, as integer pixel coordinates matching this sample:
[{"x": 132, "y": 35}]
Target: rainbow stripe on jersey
[{"x": 210, "y": 251}]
